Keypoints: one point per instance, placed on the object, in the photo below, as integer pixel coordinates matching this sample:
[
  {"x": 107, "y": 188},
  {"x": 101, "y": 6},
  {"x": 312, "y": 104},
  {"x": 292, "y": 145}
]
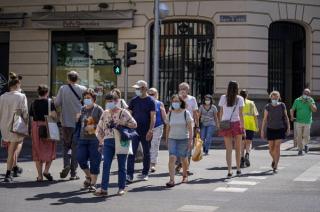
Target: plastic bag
[{"x": 198, "y": 148}]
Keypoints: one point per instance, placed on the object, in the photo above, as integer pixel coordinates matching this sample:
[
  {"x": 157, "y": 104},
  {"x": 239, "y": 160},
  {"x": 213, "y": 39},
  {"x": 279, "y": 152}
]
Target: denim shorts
[{"x": 178, "y": 147}]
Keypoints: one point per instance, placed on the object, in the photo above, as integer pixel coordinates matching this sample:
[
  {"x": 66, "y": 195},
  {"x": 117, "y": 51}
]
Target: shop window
[{"x": 91, "y": 54}]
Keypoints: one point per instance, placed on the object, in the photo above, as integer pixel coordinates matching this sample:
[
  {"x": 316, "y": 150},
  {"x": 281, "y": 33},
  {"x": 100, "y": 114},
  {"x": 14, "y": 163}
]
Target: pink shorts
[{"x": 233, "y": 131}]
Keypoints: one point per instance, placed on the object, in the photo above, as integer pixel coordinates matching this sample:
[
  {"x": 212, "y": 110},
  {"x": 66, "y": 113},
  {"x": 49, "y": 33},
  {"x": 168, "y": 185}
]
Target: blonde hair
[
  {"x": 155, "y": 91},
  {"x": 275, "y": 93}
]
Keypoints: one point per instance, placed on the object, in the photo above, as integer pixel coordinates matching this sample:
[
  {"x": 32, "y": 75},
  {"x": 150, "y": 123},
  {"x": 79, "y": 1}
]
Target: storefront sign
[
  {"x": 10, "y": 20},
  {"x": 113, "y": 19},
  {"x": 233, "y": 18}
]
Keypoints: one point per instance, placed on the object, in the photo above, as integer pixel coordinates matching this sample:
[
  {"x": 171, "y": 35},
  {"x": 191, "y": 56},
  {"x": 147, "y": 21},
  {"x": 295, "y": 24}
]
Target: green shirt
[{"x": 303, "y": 110}]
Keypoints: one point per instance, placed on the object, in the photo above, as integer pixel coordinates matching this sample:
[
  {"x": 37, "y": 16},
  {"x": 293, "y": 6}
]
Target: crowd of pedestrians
[{"x": 91, "y": 133}]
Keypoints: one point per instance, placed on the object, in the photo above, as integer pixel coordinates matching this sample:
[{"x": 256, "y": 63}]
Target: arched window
[{"x": 186, "y": 55}]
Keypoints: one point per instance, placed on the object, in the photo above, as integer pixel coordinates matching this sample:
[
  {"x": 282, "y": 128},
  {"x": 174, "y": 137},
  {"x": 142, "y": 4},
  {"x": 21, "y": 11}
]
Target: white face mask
[
  {"x": 138, "y": 92},
  {"x": 274, "y": 101},
  {"x": 110, "y": 105},
  {"x": 208, "y": 102}
]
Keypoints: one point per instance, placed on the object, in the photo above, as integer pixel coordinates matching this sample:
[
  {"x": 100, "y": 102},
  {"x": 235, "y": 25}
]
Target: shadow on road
[
  {"x": 72, "y": 197},
  {"x": 220, "y": 168},
  {"x": 30, "y": 184}
]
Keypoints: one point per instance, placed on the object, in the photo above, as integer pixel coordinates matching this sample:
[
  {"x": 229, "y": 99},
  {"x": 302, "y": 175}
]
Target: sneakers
[
  {"x": 153, "y": 169},
  {"x": 129, "y": 179},
  {"x": 306, "y": 149},
  {"x": 143, "y": 177},
  {"x": 242, "y": 163},
  {"x": 121, "y": 192},
  {"x": 300, "y": 153},
  {"x": 64, "y": 173},
  {"x": 246, "y": 160},
  {"x": 8, "y": 178},
  {"x": 75, "y": 177},
  {"x": 17, "y": 171}
]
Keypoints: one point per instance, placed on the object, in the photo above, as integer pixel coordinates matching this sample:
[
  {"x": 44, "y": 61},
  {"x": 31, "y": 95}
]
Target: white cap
[{"x": 140, "y": 84}]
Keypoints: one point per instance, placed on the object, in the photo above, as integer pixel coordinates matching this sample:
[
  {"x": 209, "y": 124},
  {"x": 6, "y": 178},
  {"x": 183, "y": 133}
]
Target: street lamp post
[
  {"x": 160, "y": 11},
  {"x": 156, "y": 40}
]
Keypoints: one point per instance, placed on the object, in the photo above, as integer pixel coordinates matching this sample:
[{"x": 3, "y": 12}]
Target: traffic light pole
[
  {"x": 126, "y": 84},
  {"x": 156, "y": 39}
]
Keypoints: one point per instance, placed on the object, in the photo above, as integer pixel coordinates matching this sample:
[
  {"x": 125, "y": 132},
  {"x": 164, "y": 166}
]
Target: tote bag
[
  {"x": 19, "y": 125},
  {"x": 52, "y": 126},
  {"x": 123, "y": 147}
]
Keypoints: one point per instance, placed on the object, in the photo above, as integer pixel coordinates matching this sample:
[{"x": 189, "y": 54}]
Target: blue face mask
[
  {"x": 87, "y": 102},
  {"x": 110, "y": 105},
  {"x": 176, "y": 105},
  {"x": 274, "y": 101},
  {"x": 304, "y": 96},
  {"x": 138, "y": 92}
]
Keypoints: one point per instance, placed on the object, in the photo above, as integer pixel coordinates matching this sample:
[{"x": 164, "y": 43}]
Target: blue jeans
[
  {"x": 146, "y": 145},
  {"x": 206, "y": 134},
  {"x": 108, "y": 154},
  {"x": 87, "y": 150}
]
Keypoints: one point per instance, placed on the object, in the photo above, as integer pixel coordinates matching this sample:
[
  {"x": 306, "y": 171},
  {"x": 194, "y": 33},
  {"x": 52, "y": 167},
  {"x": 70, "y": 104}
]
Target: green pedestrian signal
[{"x": 117, "y": 66}]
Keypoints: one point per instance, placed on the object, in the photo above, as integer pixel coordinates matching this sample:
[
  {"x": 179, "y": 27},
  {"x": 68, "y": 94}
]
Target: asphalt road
[{"x": 295, "y": 188}]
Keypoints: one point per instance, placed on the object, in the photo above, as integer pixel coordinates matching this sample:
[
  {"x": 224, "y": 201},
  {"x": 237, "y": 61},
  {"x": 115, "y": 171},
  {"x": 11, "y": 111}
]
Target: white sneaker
[
  {"x": 121, "y": 192},
  {"x": 143, "y": 177}
]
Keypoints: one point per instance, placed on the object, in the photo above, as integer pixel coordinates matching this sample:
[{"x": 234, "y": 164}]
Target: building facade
[{"x": 263, "y": 44}]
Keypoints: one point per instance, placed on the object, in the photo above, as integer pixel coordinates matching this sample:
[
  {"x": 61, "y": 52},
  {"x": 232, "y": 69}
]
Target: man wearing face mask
[
  {"x": 304, "y": 106},
  {"x": 143, "y": 109}
]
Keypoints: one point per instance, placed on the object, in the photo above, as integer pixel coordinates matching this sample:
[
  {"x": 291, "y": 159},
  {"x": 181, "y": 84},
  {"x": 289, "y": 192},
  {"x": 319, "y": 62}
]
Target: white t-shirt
[
  {"x": 192, "y": 104},
  {"x": 227, "y": 111}
]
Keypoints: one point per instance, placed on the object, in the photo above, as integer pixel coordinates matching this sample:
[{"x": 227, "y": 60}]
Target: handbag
[
  {"x": 19, "y": 124},
  {"x": 226, "y": 124},
  {"x": 52, "y": 126}
]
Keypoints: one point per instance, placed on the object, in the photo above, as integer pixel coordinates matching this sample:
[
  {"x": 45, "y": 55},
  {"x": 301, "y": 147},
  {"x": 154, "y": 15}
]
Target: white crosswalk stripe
[
  {"x": 257, "y": 177},
  {"x": 231, "y": 189},
  {"x": 236, "y": 182},
  {"x": 195, "y": 208},
  {"x": 310, "y": 175}
]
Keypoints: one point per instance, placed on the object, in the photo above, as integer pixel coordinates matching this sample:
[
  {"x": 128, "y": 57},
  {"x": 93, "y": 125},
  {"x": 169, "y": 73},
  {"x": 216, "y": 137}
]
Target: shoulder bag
[{"x": 226, "y": 124}]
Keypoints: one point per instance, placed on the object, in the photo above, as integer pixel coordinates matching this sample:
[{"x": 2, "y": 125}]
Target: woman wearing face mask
[
  {"x": 277, "y": 122},
  {"x": 179, "y": 137},
  {"x": 209, "y": 121},
  {"x": 110, "y": 118},
  {"x": 11, "y": 102},
  {"x": 88, "y": 144}
]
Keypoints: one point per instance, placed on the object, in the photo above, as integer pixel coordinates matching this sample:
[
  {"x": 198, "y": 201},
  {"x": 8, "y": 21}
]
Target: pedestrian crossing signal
[{"x": 117, "y": 66}]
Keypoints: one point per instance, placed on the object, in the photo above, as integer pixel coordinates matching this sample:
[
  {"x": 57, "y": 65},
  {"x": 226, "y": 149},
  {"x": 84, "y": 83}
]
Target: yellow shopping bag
[{"x": 197, "y": 150}]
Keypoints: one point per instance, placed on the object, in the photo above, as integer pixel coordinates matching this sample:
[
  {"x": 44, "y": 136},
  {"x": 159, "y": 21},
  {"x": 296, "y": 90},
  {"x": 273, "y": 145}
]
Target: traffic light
[
  {"x": 117, "y": 66},
  {"x": 128, "y": 54}
]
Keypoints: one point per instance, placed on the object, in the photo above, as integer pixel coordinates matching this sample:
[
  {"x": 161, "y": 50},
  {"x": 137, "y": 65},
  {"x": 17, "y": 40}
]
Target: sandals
[
  {"x": 184, "y": 179},
  {"x": 101, "y": 193},
  {"x": 92, "y": 188},
  {"x": 48, "y": 176},
  {"x": 170, "y": 184},
  {"x": 87, "y": 182},
  {"x": 39, "y": 179}
]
